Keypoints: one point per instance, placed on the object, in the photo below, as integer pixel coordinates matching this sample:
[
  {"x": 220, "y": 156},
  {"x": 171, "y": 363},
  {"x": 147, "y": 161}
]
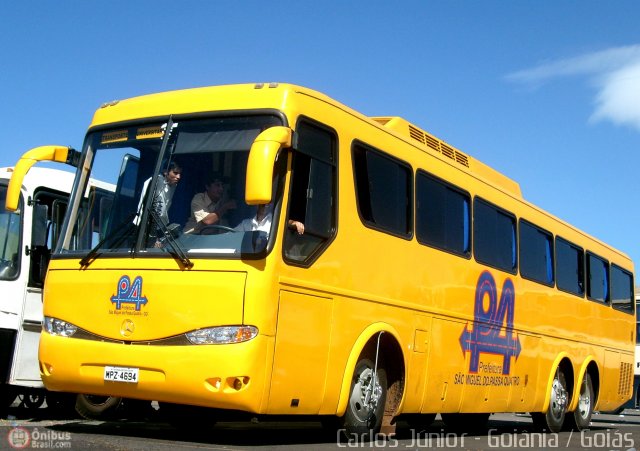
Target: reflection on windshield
[{"x": 182, "y": 183}]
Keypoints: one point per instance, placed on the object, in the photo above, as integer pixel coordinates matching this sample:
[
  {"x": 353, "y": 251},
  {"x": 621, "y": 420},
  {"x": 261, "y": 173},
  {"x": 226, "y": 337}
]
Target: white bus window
[{"x": 9, "y": 239}]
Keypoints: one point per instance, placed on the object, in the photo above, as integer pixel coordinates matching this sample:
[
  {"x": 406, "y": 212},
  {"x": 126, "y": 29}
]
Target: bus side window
[
  {"x": 10, "y": 236},
  {"x": 597, "y": 278},
  {"x": 621, "y": 289},
  {"x": 312, "y": 194},
  {"x": 569, "y": 267},
  {"x": 59, "y": 209}
]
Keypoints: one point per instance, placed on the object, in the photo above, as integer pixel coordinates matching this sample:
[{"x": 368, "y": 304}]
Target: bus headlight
[
  {"x": 222, "y": 335},
  {"x": 56, "y": 326}
]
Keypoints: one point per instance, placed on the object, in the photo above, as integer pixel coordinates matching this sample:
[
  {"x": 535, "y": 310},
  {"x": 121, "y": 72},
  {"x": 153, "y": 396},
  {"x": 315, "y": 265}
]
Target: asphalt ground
[{"x": 49, "y": 428}]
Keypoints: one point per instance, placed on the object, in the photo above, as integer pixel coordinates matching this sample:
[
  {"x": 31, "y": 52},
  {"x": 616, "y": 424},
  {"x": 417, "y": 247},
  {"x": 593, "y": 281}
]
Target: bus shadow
[
  {"x": 237, "y": 434},
  {"x": 300, "y": 432},
  {"x": 21, "y": 413}
]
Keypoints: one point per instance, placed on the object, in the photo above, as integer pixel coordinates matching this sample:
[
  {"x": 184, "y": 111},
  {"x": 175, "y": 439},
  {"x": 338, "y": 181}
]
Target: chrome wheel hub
[{"x": 365, "y": 396}]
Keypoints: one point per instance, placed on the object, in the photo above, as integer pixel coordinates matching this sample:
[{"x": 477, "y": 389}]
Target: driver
[{"x": 209, "y": 207}]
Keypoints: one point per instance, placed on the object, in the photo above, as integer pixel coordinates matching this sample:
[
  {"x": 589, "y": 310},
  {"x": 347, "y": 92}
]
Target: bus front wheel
[
  {"x": 553, "y": 419},
  {"x": 366, "y": 399},
  {"x": 93, "y": 407}
]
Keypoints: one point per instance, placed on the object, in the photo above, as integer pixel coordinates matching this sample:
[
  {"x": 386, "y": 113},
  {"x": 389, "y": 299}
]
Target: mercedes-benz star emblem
[{"x": 127, "y": 328}]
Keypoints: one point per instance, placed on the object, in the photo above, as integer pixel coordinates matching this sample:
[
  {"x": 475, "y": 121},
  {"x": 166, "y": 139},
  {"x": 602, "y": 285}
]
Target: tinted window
[
  {"x": 442, "y": 215},
  {"x": 536, "y": 253},
  {"x": 597, "y": 278},
  {"x": 383, "y": 191},
  {"x": 494, "y": 232},
  {"x": 621, "y": 289},
  {"x": 312, "y": 199},
  {"x": 569, "y": 267}
]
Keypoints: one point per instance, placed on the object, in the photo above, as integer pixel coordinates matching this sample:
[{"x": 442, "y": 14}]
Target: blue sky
[{"x": 547, "y": 92}]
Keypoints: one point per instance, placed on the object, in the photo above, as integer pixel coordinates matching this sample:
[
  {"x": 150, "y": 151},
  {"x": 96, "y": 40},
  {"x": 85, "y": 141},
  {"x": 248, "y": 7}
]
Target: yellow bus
[{"x": 422, "y": 281}]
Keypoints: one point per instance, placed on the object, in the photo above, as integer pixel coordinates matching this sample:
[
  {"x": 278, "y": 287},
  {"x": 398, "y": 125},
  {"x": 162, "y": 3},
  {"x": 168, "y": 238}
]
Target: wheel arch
[
  {"x": 563, "y": 362},
  {"x": 394, "y": 361},
  {"x": 589, "y": 366}
]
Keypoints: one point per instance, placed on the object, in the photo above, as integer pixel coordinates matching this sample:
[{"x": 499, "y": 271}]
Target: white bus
[
  {"x": 635, "y": 401},
  {"x": 26, "y": 239}
]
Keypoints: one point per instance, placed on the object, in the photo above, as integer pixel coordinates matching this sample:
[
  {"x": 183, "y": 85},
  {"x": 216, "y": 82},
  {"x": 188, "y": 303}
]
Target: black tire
[
  {"x": 581, "y": 417},
  {"x": 470, "y": 422},
  {"x": 553, "y": 419},
  {"x": 33, "y": 400},
  {"x": 93, "y": 407},
  {"x": 362, "y": 419}
]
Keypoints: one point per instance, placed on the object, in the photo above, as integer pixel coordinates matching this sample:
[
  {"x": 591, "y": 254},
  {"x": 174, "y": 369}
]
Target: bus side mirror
[
  {"x": 262, "y": 157},
  {"x": 60, "y": 154}
]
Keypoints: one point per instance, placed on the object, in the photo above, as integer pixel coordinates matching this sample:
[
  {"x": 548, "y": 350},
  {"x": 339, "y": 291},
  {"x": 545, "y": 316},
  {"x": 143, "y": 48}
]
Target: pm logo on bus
[
  {"x": 486, "y": 334},
  {"x": 129, "y": 293}
]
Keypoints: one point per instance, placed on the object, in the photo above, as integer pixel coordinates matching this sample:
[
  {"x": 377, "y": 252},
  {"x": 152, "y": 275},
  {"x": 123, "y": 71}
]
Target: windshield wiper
[
  {"x": 167, "y": 236},
  {"x": 118, "y": 235}
]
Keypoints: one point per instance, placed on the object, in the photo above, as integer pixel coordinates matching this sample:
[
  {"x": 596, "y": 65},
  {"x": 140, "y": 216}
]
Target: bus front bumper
[{"x": 231, "y": 376}]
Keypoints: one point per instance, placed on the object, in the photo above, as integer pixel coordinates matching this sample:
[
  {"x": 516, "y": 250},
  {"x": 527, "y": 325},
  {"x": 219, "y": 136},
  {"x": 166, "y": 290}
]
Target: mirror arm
[{"x": 60, "y": 154}]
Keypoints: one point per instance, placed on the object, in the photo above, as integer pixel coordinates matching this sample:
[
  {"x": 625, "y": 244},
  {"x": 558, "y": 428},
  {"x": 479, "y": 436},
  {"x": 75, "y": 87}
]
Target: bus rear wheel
[
  {"x": 581, "y": 417},
  {"x": 553, "y": 419},
  {"x": 367, "y": 397}
]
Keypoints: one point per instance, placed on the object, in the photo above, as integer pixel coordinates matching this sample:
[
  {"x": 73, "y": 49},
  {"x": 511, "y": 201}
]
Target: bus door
[
  {"x": 47, "y": 209},
  {"x": 10, "y": 281}
]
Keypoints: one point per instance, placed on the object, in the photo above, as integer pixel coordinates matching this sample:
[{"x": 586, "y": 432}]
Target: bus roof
[
  {"x": 408, "y": 130},
  {"x": 57, "y": 179},
  {"x": 36, "y": 177},
  {"x": 276, "y": 95}
]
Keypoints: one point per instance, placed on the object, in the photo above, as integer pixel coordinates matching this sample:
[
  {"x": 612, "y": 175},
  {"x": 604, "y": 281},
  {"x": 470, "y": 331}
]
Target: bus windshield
[{"x": 179, "y": 189}]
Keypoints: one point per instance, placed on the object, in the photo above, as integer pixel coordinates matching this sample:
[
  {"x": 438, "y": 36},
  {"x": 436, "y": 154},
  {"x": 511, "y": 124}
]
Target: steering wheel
[{"x": 215, "y": 229}]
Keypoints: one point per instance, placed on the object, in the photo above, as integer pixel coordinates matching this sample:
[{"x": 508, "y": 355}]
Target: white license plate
[{"x": 120, "y": 374}]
